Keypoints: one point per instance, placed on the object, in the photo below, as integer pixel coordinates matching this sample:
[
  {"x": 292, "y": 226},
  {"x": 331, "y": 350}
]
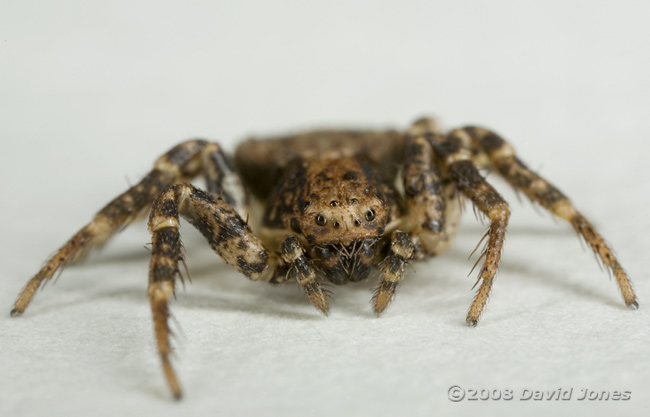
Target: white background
[{"x": 91, "y": 93}]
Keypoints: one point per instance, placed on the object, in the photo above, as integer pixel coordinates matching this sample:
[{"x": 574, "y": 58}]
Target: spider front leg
[
  {"x": 180, "y": 162},
  {"x": 537, "y": 189},
  {"x": 456, "y": 158},
  {"x": 431, "y": 218},
  {"x": 231, "y": 238}
]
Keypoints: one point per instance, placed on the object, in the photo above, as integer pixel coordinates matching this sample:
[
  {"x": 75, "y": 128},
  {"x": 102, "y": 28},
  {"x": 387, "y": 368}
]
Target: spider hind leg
[
  {"x": 456, "y": 162},
  {"x": 502, "y": 156},
  {"x": 180, "y": 162}
]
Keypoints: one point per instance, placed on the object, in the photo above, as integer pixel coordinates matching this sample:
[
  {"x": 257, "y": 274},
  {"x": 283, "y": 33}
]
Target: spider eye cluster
[{"x": 321, "y": 219}]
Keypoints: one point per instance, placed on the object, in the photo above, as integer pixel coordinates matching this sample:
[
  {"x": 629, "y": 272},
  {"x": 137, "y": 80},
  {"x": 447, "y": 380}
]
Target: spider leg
[
  {"x": 301, "y": 269},
  {"x": 393, "y": 269},
  {"x": 179, "y": 163},
  {"x": 231, "y": 238},
  {"x": 432, "y": 216},
  {"x": 223, "y": 179},
  {"x": 456, "y": 160},
  {"x": 433, "y": 209},
  {"x": 540, "y": 191}
]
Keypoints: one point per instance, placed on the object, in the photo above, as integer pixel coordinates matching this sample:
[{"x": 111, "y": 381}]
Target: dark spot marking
[
  {"x": 169, "y": 209},
  {"x": 433, "y": 225},
  {"x": 465, "y": 175},
  {"x": 300, "y": 268},
  {"x": 166, "y": 243},
  {"x": 350, "y": 175},
  {"x": 395, "y": 264},
  {"x": 229, "y": 227},
  {"x": 445, "y": 147},
  {"x": 289, "y": 245},
  {"x": 295, "y": 225},
  {"x": 202, "y": 195},
  {"x": 403, "y": 240},
  {"x": 521, "y": 180},
  {"x": 248, "y": 268},
  {"x": 163, "y": 272},
  {"x": 491, "y": 142}
]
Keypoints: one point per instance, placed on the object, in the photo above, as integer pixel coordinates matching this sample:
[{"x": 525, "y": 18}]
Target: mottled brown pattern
[
  {"x": 261, "y": 161},
  {"x": 489, "y": 202},
  {"x": 540, "y": 191},
  {"x": 393, "y": 269},
  {"x": 115, "y": 215},
  {"x": 338, "y": 204},
  {"x": 347, "y": 190}
]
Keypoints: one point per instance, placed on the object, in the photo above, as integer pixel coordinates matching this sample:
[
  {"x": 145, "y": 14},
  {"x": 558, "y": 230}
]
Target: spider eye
[
  {"x": 321, "y": 220},
  {"x": 336, "y": 225},
  {"x": 334, "y": 203},
  {"x": 370, "y": 215},
  {"x": 357, "y": 222}
]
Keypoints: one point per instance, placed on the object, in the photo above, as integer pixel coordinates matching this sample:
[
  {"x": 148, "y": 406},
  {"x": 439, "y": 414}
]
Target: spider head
[
  {"x": 344, "y": 221},
  {"x": 343, "y": 233},
  {"x": 344, "y": 207},
  {"x": 343, "y": 215}
]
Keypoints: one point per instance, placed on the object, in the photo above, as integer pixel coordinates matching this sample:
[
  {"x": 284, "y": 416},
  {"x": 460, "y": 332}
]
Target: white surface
[{"x": 92, "y": 93}]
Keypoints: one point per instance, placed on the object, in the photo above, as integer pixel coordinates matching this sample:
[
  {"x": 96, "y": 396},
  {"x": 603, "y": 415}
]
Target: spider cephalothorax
[
  {"x": 339, "y": 207},
  {"x": 332, "y": 201},
  {"x": 338, "y": 204}
]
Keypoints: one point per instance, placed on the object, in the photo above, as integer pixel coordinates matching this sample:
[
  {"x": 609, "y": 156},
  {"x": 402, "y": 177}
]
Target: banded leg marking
[
  {"x": 432, "y": 206},
  {"x": 540, "y": 191},
  {"x": 468, "y": 180},
  {"x": 227, "y": 234},
  {"x": 423, "y": 188},
  {"x": 301, "y": 269},
  {"x": 393, "y": 269},
  {"x": 230, "y": 237},
  {"x": 179, "y": 162}
]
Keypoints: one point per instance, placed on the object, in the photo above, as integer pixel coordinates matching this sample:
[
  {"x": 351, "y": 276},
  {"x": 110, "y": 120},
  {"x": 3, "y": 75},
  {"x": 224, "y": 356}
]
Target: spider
[{"x": 336, "y": 205}]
